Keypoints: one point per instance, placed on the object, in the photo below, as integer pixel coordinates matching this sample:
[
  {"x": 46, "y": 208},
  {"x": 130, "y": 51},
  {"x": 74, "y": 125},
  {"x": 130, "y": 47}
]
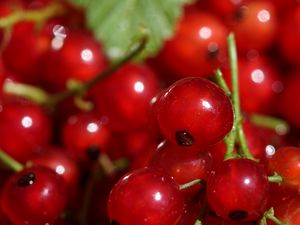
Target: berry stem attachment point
[
  {"x": 275, "y": 178},
  {"x": 190, "y": 184},
  {"x": 235, "y": 97},
  {"x": 198, "y": 222},
  {"x": 9, "y": 162},
  {"x": 270, "y": 215}
]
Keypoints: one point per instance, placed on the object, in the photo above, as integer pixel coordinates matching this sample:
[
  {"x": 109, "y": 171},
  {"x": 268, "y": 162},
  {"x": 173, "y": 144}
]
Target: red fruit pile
[{"x": 146, "y": 144}]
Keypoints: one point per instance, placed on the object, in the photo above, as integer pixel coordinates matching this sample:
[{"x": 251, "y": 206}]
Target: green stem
[
  {"x": 27, "y": 91},
  {"x": 9, "y": 162},
  {"x": 235, "y": 97},
  {"x": 198, "y": 222},
  {"x": 270, "y": 215},
  {"x": 275, "y": 178},
  {"x": 190, "y": 184},
  {"x": 59, "y": 97},
  {"x": 31, "y": 15},
  {"x": 221, "y": 82},
  {"x": 280, "y": 126}
]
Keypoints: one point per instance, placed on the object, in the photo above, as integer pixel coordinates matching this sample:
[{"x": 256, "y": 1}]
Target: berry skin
[
  {"x": 258, "y": 14},
  {"x": 286, "y": 162},
  {"x": 183, "y": 164},
  {"x": 73, "y": 55},
  {"x": 239, "y": 190},
  {"x": 197, "y": 48},
  {"x": 145, "y": 197},
  {"x": 194, "y": 111},
  {"x": 24, "y": 129},
  {"x": 33, "y": 196},
  {"x": 125, "y": 96},
  {"x": 85, "y": 135}
]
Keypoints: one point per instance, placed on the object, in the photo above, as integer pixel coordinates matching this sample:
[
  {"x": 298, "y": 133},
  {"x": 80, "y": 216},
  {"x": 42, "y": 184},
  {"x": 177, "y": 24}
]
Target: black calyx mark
[
  {"x": 93, "y": 152},
  {"x": 238, "y": 215},
  {"x": 114, "y": 223},
  {"x": 184, "y": 138},
  {"x": 240, "y": 13},
  {"x": 26, "y": 180},
  {"x": 213, "y": 51}
]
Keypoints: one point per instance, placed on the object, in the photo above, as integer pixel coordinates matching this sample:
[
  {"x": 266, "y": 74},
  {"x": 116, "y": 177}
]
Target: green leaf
[{"x": 120, "y": 23}]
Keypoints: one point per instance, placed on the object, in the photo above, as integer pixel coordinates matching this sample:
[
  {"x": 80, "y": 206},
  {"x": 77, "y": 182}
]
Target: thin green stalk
[
  {"x": 221, "y": 82},
  {"x": 279, "y": 126},
  {"x": 59, "y": 97},
  {"x": 32, "y": 15},
  {"x": 275, "y": 178},
  {"x": 190, "y": 184},
  {"x": 235, "y": 97},
  {"x": 27, "y": 91},
  {"x": 9, "y": 162},
  {"x": 270, "y": 215}
]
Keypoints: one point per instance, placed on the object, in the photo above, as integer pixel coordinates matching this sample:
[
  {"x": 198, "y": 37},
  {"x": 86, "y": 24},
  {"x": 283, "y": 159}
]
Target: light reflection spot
[
  {"x": 205, "y": 32},
  {"x": 263, "y": 16},
  {"x": 139, "y": 87},
  {"x": 257, "y": 76},
  {"x": 92, "y": 127},
  {"x": 26, "y": 122},
  {"x": 87, "y": 55}
]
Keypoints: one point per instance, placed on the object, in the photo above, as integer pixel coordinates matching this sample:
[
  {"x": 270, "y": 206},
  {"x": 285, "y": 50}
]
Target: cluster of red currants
[{"x": 84, "y": 140}]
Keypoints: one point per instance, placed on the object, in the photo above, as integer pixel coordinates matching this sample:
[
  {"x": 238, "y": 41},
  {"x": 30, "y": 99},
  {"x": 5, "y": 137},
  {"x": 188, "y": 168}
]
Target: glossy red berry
[
  {"x": 125, "y": 96},
  {"x": 197, "y": 48},
  {"x": 33, "y": 196},
  {"x": 238, "y": 190},
  {"x": 85, "y": 135},
  {"x": 258, "y": 75},
  {"x": 73, "y": 55},
  {"x": 145, "y": 197},
  {"x": 24, "y": 129},
  {"x": 194, "y": 111},
  {"x": 182, "y": 163},
  {"x": 285, "y": 162},
  {"x": 258, "y": 14},
  {"x": 59, "y": 161}
]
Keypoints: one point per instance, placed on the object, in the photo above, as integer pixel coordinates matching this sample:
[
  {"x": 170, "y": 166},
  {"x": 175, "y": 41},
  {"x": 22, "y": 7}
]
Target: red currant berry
[
  {"x": 33, "y": 196},
  {"x": 194, "y": 111},
  {"x": 85, "y": 135},
  {"x": 197, "y": 47},
  {"x": 145, "y": 197},
  {"x": 258, "y": 14},
  {"x": 285, "y": 162},
  {"x": 24, "y": 129},
  {"x": 125, "y": 97},
  {"x": 239, "y": 190},
  {"x": 183, "y": 164},
  {"x": 73, "y": 55}
]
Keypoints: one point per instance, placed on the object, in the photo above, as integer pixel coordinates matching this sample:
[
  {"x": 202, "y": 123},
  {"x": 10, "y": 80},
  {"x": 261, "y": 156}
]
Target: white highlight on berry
[
  {"x": 60, "y": 169},
  {"x": 206, "y": 104},
  {"x": 59, "y": 33},
  {"x": 87, "y": 55},
  {"x": 139, "y": 87},
  {"x": 157, "y": 196},
  {"x": 270, "y": 150},
  {"x": 257, "y": 76},
  {"x": 263, "y": 16},
  {"x": 92, "y": 127},
  {"x": 247, "y": 181},
  {"x": 26, "y": 122},
  {"x": 205, "y": 32}
]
